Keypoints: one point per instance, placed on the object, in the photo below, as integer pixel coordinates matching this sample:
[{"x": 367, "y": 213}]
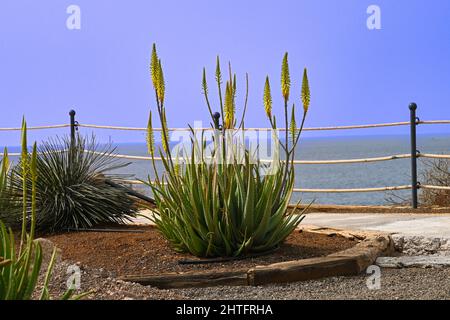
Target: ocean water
[{"x": 337, "y": 176}]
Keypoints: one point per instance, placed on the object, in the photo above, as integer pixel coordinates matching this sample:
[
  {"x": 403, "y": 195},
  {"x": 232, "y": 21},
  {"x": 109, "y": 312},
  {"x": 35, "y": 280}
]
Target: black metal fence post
[
  {"x": 72, "y": 127},
  {"x": 413, "y": 124}
]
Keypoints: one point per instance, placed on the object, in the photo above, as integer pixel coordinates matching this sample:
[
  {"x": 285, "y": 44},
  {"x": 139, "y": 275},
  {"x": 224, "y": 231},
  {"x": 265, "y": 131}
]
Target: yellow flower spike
[
  {"x": 233, "y": 105},
  {"x": 306, "y": 94},
  {"x": 267, "y": 98},
  {"x": 228, "y": 106},
  {"x": 293, "y": 125},
  {"x": 285, "y": 78},
  {"x": 218, "y": 72},
  {"x": 150, "y": 137},
  {"x": 154, "y": 65},
  {"x": 204, "y": 82},
  {"x": 24, "y": 140},
  {"x": 161, "y": 85},
  {"x": 165, "y": 133}
]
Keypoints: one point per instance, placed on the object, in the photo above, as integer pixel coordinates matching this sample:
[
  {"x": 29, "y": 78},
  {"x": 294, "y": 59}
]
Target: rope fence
[
  {"x": 56, "y": 126},
  {"x": 302, "y": 162},
  {"x": 356, "y": 190},
  {"x": 424, "y": 186},
  {"x": 349, "y": 127},
  {"x": 314, "y": 162},
  {"x": 364, "y": 126},
  {"x": 414, "y": 121}
]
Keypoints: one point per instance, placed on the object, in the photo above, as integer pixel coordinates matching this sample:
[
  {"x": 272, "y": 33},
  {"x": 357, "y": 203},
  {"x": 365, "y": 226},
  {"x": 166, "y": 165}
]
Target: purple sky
[{"x": 357, "y": 75}]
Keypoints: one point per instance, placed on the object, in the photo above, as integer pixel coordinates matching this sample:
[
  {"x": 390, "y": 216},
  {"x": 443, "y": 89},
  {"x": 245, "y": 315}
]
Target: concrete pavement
[{"x": 426, "y": 225}]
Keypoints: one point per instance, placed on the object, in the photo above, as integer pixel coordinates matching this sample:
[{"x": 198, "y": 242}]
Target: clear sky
[{"x": 357, "y": 75}]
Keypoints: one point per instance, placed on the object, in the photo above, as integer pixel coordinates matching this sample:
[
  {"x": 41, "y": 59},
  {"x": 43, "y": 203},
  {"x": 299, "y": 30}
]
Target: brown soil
[{"x": 125, "y": 253}]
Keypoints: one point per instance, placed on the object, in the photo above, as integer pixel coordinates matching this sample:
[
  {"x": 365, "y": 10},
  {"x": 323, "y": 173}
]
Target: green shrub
[
  {"x": 72, "y": 189},
  {"x": 216, "y": 206},
  {"x": 19, "y": 271}
]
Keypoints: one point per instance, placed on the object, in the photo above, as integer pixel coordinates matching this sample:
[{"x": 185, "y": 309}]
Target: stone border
[{"x": 352, "y": 261}]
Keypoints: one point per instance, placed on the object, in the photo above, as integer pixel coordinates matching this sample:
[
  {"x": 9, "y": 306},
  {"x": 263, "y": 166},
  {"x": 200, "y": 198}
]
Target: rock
[
  {"x": 445, "y": 245},
  {"x": 399, "y": 241},
  {"x": 419, "y": 245},
  {"x": 432, "y": 245},
  {"x": 424, "y": 261}
]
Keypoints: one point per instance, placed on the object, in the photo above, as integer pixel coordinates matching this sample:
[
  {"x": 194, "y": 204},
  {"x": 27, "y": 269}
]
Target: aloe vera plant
[
  {"x": 214, "y": 206},
  {"x": 19, "y": 271}
]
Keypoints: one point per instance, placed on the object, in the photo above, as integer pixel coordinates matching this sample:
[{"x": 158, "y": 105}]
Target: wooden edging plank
[
  {"x": 192, "y": 279},
  {"x": 305, "y": 269}
]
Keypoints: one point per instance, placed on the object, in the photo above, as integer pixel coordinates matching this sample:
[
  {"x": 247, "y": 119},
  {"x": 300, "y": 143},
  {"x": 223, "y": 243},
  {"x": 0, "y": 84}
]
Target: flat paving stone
[{"x": 426, "y": 225}]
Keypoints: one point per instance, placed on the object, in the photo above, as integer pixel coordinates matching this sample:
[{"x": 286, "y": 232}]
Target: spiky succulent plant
[
  {"x": 72, "y": 189},
  {"x": 218, "y": 207},
  {"x": 20, "y": 269}
]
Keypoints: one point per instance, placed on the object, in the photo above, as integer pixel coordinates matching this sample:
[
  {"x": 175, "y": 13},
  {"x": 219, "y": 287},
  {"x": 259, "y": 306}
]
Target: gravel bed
[
  {"x": 411, "y": 283},
  {"x": 102, "y": 286}
]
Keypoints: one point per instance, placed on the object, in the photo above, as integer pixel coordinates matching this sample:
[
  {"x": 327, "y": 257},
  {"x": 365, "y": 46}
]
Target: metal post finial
[{"x": 72, "y": 126}]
